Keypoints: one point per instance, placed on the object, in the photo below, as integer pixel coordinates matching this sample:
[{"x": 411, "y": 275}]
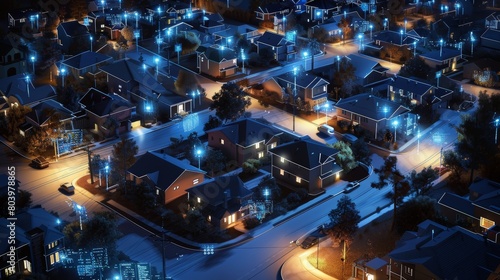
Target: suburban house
[
  {"x": 331, "y": 25},
  {"x": 437, "y": 252},
  {"x": 39, "y": 244},
  {"x": 321, "y": 10},
  {"x": 479, "y": 65},
  {"x": 223, "y": 201},
  {"x": 12, "y": 60},
  {"x": 412, "y": 91},
  {"x": 367, "y": 71},
  {"x": 491, "y": 39},
  {"x": 244, "y": 139},
  {"x": 245, "y": 31},
  {"x": 40, "y": 116},
  {"x": 282, "y": 49},
  {"x": 389, "y": 38},
  {"x": 108, "y": 23},
  {"x": 216, "y": 61},
  {"x": 170, "y": 177},
  {"x": 273, "y": 9},
  {"x": 305, "y": 164},
  {"x": 311, "y": 89},
  {"x": 107, "y": 114},
  {"x": 445, "y": 60},
  {"x": 85, "y": 62},
  {"x": 19, "y": 18},
  {"x": 19, "y": 89},
  {"x": 492, "y": 21},
  {"x": 70, "y": 34},
  {"x": 131, "y": 80},
  {"x": 422, "y": 34},
  {"x": 480, "y": 209},
  {"x": 375, "y": 114},
  {"x": 212, "y": 23},
  {"x": 449, "y": 27}
]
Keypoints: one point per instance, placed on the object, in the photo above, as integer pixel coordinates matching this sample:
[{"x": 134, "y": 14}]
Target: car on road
[
  {"x": 67, "y": 188},
  {"x": 309, "y": 242},
  {"x": 39, "y": 163},
  {"x": 326, "y": 129},
  {"x": 351, "y": 186}
]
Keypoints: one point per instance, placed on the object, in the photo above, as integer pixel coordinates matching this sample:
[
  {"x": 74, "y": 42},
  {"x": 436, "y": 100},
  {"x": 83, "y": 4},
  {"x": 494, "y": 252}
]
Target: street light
[
  {"x": 159, "y": 41},
  {"x": 136, "y": 20},
  {"x": 294, "y": 93},
  {"x": 401, "y": 33},
  {"x": 91, "y": 39},
  {"x": 243, "y": 60},
  {"x": 198, "y": 155},
  {"x": 137, "y": 34},
  {"x": 305, "y": 54},
  {"x": 441, "y": 47},
  {"x": 106, "y": 169},
  {"x": 395, "y": 123},
  {"x": 418, "y": 141},
  {"x": 125, "y": 16},
  {"x": 284, "y": 24},
  {"x": 414, "y": 48},
  {"x": 144, "y": 67},
  {"x": 338, "y": 63},
  {"x": 63, "y": 72},
  {"x": 472, "y": 44},
  {"x": 33, "y": 63},
  {"x": 385, "y": 109},
  {"x": 386, "y": 23},
  {"x": 103, "y": 3},
  {"x": 371, "y": 30},
  {"x": 405, "y": 25},
  {"x": 159, "y": 21},
  {"x": 497, "y": 120},
  {"x": 438, "y": 75},
  {"x": 457, "y": 8},
  {"x": 360, "y": 37},
  {"x": 157, "y": 61}
]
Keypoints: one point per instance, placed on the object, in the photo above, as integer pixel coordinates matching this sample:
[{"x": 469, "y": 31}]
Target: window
[
  {"x": 102, "y": 25},
  {"x": 27, "y": 265},
  {"x": 198, "y": 200},
  {"x": 51, "y": 259},
  {"x": 10, "y": 270},
  {"x": 485, "y": 223},
  {"x": 257, "y": 145},
  {"x": 157, "y": 192},
  {"x": 176, "y": 188},
  {"x": 195, "y": 181},
  {"x": 324, "y": 88},
  {"x": 273, "y": 145},
  {"x": 409, "y": 270},
  {"x": 282, "y": 159},
  {"x": 344, "y": 112},
  {"x": 57, "y": 256},
  {"x": 209, "y": 218},
  {"x": 298, "y": 179},
  {"x": 222, "y": 141},
  {"x": 282, "y": 172}
]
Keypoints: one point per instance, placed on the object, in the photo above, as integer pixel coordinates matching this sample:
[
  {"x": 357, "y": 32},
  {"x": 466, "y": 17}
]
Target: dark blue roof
[
  {"x": 446, "y": 54},
  {"x": 214, "y": 192},
  {"x": 371, "y": 106},
  {"x": 457, "y": 203},
  {"x": 272, "y": 39},
  {"x": 491, "y": 34},
  {"x": 247, "y": 132},
  {"x": 86, "y": 59},
  {"x": 305, "y": 152}
]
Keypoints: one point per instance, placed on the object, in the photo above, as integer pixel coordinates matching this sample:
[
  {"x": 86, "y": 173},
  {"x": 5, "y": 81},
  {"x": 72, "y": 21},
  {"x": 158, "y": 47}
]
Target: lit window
[
  {"x": 51, "y": 259},
  {"x": 485, "y": 223},
  {"x": 225, "y": 220},
  {"x": 209, "y": 218},
  {"x": 195, "y": 181},
  {"x": 27, "y": 265},
  {"x": 261, "y": 154},
  {"x": 282, "y": 172},
  {"x": 102, "y": 25},
  {"x": 57, "y": 256},
  {"x": 10, "y": 270},
  {"x": 222, "y": 141},
  {"x": 198, "y": 200},
  {"x": 298, "y": 179},
  {"x": 409, "y": 270},
  {"x": 257, "y": 145},
  {"x": 157, "y": 192},
  {"x": 282, "y": 159},
  {"x": 176, "y": 188},
  {"x": 273, "y": 145}
]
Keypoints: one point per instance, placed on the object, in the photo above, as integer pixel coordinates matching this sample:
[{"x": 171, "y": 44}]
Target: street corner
[{"x": 84, "y": 182}]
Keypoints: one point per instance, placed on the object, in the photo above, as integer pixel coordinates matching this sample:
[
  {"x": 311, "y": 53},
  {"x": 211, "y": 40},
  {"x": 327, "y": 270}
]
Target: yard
[{"x": 373, "y": 240}]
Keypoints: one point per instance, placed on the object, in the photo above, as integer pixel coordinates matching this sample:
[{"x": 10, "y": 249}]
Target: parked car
[
  {"x": 39, "y": 163},
  {"x": 326, "y": 129},
  {"x": 349, "y": 138},
  {"x": 67, "y": 188},
  {"x": 351, "y": 186},
  {"x": 309, "y": 242}
]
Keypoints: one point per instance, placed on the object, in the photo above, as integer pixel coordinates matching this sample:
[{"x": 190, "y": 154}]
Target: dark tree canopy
[
  {"x": 123, "y": 156},
  {"x": 415, "y": 211},
  {"x": 344, "y": 219},
  {"x": 230, "y": 102},
  {"x": 213, "y": 122},
  {"x": 415, "y": 67},
  {"x": 421, "y": 183},
  {"x": 361, "y": 151}
]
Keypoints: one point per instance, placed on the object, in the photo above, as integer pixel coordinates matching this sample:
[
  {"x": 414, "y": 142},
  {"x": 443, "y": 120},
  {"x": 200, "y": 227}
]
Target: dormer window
[{"x": 257, "y": 145}]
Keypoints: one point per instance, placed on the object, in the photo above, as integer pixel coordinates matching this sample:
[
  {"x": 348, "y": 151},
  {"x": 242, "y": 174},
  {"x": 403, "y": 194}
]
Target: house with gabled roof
[
  {"x": 272, "y": 9},
  {"x": 305, "y": 164},
  {"x": 434, "y": 251},
  {"x": 18, "y": 18},
  {"x": 367, "y": 71},
  {"x": 245, "y": 31},
  {"x": 480, "y": 209},
  {"x": 38, "y": 247},
  {"x": 413, "y": 91},
  {"x": 491, "y": 39},
  {"x": 12, "y": 60},
  {"x": 281, "y": 48},
  {"x": 309, "y": 88},
  {"x": 392, "y": 38},
  {"x": 40, "y": 115},
  {"x": 422, "y": 34},
  {"x": 85, "y": 63},
  {"x": 374, "y": 114},
  {"x": 170, "y": 177},
  {"x": 212, "y": 23},
  {"x": 222, "y": 201},
  {"x": 19, "y": 89},
  {"x": 107, "y": 114},
  {"x": 331, "y": 24},
  {"x": 444, "y": 60},
  {"x": 244, "y": 139},
  {"x": 492, "y": 21},
  {"x": 216, "y": 61},
  {"x": 128, "y": 78},
  {"x": 321, "y": 10},
  {"x": 71, "y": 32}
]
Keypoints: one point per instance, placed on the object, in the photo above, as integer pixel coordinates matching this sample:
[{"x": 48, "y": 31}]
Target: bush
[
  {"x": 293, "y": 200},
  {"x": 251, "y": 222},
  {"x": 251, "y": 166}
]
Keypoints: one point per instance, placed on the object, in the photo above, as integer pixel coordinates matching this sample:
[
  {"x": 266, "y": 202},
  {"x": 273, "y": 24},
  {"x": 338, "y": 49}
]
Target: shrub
[
  {"x": 251, "y": 166},
  {"x": 251, "y": 222}
]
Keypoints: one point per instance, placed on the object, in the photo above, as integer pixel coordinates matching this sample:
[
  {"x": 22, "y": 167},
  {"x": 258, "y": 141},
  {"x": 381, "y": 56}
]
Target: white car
[{"x": 326, "y": 129}]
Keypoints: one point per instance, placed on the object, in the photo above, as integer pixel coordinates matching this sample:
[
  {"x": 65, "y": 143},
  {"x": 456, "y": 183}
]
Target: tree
[
  {"x": 415, "y": 211},
  {"x": 389, "y": 174},
  {"x": 230, "y": 102},
  {"x": 452, "y": 161},
  {"x": 344, "y": 157},
  {"x": 100, "y": 231},
  {"x": 78, "y": 9},
  {"x": 345, "y": 76},
  {"x": 15, "y": 117},
  {"x": 344, "y": 223},
  {"x": 128, "y": 33},
  {"x": 421, "y": 183},
  {"x": 415, "y": 67},
  {"x": 215, "y": 161},
  {"x": 97, "y": 164},
  {"x": 361, "y": 151},
  {"x": 269, "y": 183},
  {"x": 123, "y": 157},
  {"x": 186, "y": 83},
  {"x": 196, "y": 224},
  {"x": 189, "y": 41},
  {"x": 213, "y": 122}
]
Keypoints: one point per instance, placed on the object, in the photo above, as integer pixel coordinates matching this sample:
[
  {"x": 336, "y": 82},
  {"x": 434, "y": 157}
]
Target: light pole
[
  {"x": 406, "y": 22},
  {"x": 438, "y": 75},
  {"x": 284, "y": 24},
  {"x": 106, "y": 168},
  {"x": 33, "y": 63},
  {"x": 401, "y": 33},
  {"x": 243, "y": 60},
  {"x": 63, "y": 72},
  {"x": 326, "y": 112},
  {"x": 418, "y": 141},
  {"x": 414, "y": 48},
  {"x": 497, "y": 120},
  {"x": 144, "y": 67},
  {"x": 371, "y": 31},
  {"x": 294, "y": 94},
  {"x": 441, "y": 47},
  {"x": 457, "y": 9},
  {"x": 125, "y": 16},
  {"x": 91, "y": 39},
  {"x": 137, "y": 34},
  {"x": 198, "y": 154},
  {"x": 305, "y": 54},
  {"x": 157, "y": 61},
  {"x": 385, "y": 109},
  {"x": 386, "y": 23},
  {"x": 472, "y": 44},
  {"x": 338, "y": 63},
  {"x": 102, "y": 3},
  {"x": 395, "y": 123},
  {"x": 360, "y": 37},
  {"x": 136, "y": 20},
  {"x": 159, "y": 41},
  {"x": 159, "y": 21}
]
